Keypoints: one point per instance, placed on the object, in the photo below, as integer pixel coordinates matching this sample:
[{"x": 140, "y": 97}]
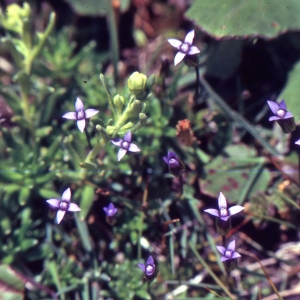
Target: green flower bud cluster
[
  {"x": 140, "y": 86},
  {"x": 128, "y": 112},
  {"x": 15, "y": 17}
]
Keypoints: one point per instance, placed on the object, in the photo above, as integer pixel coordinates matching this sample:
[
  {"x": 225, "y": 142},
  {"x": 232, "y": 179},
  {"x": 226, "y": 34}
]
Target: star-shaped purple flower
[
  {"x": 125, "y": 145},
  {"x": 80, "y": 115},
  {"x": 63, "y": 205},
  {"x": 176, "y": 166},
  {"x": 223, "y": 213},
  {"x": 228, "y": 253},
  {"x": 149, "y": 268},
  {"x": 185, "y": 48},
  {"x": 110, "y": 210},
  {"x": 279, "y": 110}
]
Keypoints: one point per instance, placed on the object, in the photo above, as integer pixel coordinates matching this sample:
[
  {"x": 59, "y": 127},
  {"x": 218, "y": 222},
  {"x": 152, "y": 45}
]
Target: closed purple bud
[{"x": 176, "y": 166}]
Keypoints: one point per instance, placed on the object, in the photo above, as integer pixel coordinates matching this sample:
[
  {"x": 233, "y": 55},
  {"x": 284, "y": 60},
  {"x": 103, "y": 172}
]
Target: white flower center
[
  {"x": 64, "y": 205},
  {"x": 125, "y": 145},
  {"x": 281, "y": 113},
  {"x": 223, "y": 212},
  {"x": 228, "y": 253},
  {"x": 185, "y": 48},
  {"x": 149, "y": 269},
  {"x": 80, "y": 115}
]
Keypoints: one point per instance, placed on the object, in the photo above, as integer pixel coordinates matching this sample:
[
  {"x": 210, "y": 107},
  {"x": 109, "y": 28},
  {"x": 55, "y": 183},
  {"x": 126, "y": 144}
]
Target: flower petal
[
  {"x": 189, "y": 37},
  {"x": 221, "y": 249},
  {"x": 193, "y": 50},
  {"x": 167, "y": 161},
  {"x": 66, "y": 196},
  {"x": 59, "y": 216},
  {"x": 74, "y": 207},
  {"x": 231, "y": 246},
  {"x": 90, "y": 113},
  {"x": 127, "y": 136},
  {"x": 273, "y": 106},
  {"x": 117, "y": 142},
  {"x": 224, "y": 258},
  {"x": 70, "y": 115},
  {"x": 54, "y": 202},
  {"x": 81, "y": 124},
  {"x": 212, "y": 211},
  {"x": 142, "y": 266},
  {"x": 297, "y": 142},
  {"x": 282, "y": 105},
  {"x": 150, "y": 260},
  {"x": 178, "y": 58},
  {"x": 175, "y": 43},
  {"x": 121, "y": 153},
  {"x": 171, "y": 154},
  {"x": 274, "y": 118},
  {"x": 288, "y": 115},
  {"x": 224, "y": 218},
  {"x": 235, "y": 209},
  {"x": 222, "y": 201},
  {"x": 79, "y": 105},
  {"x": 133, "y": 148},
  {"x": 235, "y": 255}
]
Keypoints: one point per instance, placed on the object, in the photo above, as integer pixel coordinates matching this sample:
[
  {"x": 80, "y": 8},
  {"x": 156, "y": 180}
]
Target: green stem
[
  {"x": 114, "y": 44},
  {"x": 109, "y": 95},
  {"x": 36, "y": 50},
  {"x": 88, "y": 138},
  {"x": 144, "y": 203},
  {"x": 197, "y": 84},
  {"x": 140, "y": 235},
  {"x": 121, "y": 121}
]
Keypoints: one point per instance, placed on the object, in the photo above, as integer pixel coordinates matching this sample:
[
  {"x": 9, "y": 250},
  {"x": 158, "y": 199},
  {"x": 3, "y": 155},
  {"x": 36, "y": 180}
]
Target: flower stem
[
  {"x": 224, "y": 241},
  {"x": 181, "y": 184},
  {"x": 144, "y": 203},
  {"x": 197, "y": 83},
  {"x": 88, "y": 138}
]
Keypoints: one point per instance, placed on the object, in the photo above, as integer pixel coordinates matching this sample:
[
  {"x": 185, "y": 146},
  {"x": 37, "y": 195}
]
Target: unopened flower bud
[
  {"x": 137, "y": 84},
  {"x": 119, "y": 103},
  {"x": 15, "y": 14},
  {"x": 143, "y": 119}
]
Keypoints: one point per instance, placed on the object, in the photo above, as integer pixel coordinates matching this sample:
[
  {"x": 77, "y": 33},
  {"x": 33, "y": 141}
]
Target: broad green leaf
[
  {"x": 90, "y": 7},
  {"x": 238, "y": 174},
  {"x": 86, "y": 202},
  {"x": 291, "y": 92},
  {"x": 265, "y": 18},
  {"x": 11, "y": 284},
  {"x": 95, "y": 7}
]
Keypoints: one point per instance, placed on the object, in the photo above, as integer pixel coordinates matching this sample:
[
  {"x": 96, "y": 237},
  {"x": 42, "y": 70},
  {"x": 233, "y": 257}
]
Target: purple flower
[
  {"x": 279, "y": 110},
  {"x": 185, "y": 48},
  {"x": 149, "y": 268},
  {"x": 125, "y": 145},
  {"x": 80, "y": 115},
  {"x": 110, "y": 210},
  {"x": 223, "y": 213},
  {"x": 63, "y": 205},
  {"x": 228, "y": 253},
  {"x": 176, "y": 166}
]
